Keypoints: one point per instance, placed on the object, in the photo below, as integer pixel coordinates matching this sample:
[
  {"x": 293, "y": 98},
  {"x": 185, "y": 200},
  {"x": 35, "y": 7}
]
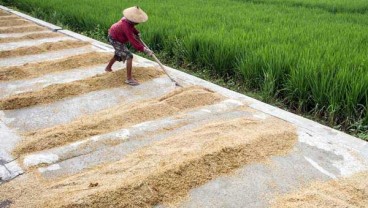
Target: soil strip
[
  {"x": 57, "y": 92},
  {"x": 346, "y": 192},
  {"x": 121, "y": 116},
  {"x": 38, "y": 69},
  {"x": 34, "y": 36}
]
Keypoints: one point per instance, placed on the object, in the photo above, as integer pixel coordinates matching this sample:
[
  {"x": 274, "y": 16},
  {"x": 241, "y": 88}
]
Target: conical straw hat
[{"x": 135, "y": 14}]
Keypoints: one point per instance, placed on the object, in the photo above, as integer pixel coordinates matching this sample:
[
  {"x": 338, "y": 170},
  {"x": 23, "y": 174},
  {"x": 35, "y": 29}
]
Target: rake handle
[
  {"x": 158, "y": 61},
  {"x": 162, "y": 67}
]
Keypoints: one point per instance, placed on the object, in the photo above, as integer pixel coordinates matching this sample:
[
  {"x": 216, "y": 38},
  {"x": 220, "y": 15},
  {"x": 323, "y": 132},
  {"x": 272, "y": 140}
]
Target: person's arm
[
  {"x": 146, "y": 49},
  {"x": 132, "y": 39},
  {"x": 135, "y": 31}
]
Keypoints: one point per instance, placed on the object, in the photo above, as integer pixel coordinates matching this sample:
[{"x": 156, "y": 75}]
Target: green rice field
[{"x": 310, "y": 55}]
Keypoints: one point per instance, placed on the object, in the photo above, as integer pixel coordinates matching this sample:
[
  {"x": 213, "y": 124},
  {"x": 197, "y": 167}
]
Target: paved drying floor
[{"x": 73, "y": 135}]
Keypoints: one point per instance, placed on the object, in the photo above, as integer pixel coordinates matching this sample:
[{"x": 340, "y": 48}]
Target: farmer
[{"x": 123, "y": 32}]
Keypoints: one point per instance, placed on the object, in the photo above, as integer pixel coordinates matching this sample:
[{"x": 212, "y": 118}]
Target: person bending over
[{"x": 124, "y": 32}]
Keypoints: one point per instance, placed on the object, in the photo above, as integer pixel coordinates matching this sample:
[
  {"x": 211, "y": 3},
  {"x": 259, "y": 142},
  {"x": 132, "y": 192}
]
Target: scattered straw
[
  {"x": 3, "y": 13},
  {"x": 29, "y": 184},
  {"x": 24, "y": 29},
  {"x": 33, "y": 36},
  {"x": 200, "y": 96},
  {"x": 9, "y": 17},
  {"x": 165, "y": 171},
  {"x": 42, "y": 48},
  {"x": 37, "y": 69},
  {"x": 57, "y": 92},
  {"x": 347, "y": 192},
  {"x": 8, "y": 23},
  {"x": 115, "y": 118}
]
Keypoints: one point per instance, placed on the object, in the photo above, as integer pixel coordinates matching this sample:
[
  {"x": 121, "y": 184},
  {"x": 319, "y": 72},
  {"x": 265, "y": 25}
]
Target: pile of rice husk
[
  {"x": 32, "y": 36},
  {"x": 8, "y": 23},
  {"x": 115, "y": 118},
  {"x": 31, "y": 28},
  {"x": 57, "y": 92},
  {"x": 29, "y": 184},
  {"x": 166, "y": 171},
  {"x": 346, "y": 192},
  {"x": 42, "y": 48},
  {"x": 37, "y": 69}
]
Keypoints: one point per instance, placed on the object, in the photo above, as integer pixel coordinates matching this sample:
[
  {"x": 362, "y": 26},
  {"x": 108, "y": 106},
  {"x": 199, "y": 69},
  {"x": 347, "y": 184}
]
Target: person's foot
[
  {"x": 108, "y": 70},
  {"x": 132, "y": 82}
]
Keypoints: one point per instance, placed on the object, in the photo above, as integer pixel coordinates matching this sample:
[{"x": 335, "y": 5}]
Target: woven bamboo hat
[{"x": 135, "y": 14}]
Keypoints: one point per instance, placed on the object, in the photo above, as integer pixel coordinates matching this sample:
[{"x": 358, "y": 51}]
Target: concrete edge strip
[
  {"x": 5, "y": 8},
  {"x": 255, "y": 104}
]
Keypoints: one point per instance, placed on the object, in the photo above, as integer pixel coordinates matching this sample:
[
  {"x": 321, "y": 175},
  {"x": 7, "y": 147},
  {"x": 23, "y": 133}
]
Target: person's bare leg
[
  {"x": 109, "y": 66},
  {"x": 129, "y": 66}
]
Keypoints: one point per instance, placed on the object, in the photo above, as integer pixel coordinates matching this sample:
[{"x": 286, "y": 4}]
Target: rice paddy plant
[
  {"x": 334, "y": 6},
  {"x": 311, "y": 54}
]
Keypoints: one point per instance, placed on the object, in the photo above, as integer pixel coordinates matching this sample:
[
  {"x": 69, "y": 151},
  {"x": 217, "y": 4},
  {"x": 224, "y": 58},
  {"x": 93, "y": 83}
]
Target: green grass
[
  {"x": 311, "y": 55},
  {"x": 333, "y": 6}
]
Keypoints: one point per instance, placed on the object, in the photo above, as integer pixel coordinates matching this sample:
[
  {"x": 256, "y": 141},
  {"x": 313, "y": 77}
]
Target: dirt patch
[
  {"x": 33, "y": 36},
  {"x": 165, "y": 171},
  {"x": 42, "y": 48},
  {"x": 112, "y": 119},
  {"x": 347, "y": 192},
  {"x": 13, "y": 22},
  {"x": 24, "y": 29},
  {"x": 37, "y": 69},
  {"x": 57, "y": 92}
]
